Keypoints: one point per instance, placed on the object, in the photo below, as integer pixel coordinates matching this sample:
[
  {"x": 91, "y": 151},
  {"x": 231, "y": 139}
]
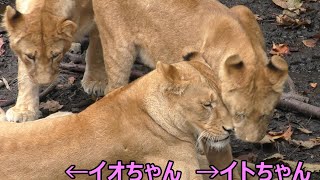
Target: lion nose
[{"x": 229, "y": 130}]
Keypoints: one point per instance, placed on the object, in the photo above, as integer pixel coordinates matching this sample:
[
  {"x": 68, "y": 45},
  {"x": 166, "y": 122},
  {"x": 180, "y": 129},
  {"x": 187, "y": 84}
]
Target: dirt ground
[{"x": 304, "y": 64}]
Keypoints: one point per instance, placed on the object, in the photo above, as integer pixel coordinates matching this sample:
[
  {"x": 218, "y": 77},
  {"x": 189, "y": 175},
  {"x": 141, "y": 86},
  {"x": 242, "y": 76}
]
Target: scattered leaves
[
  {"x": 71, "y": 80},
  {"x": 285, "y": 20},
  {"x": 313, "y": 85},
  {"x": 272, "y": 136},
  {"x": 307, "y": 144},
  {"x": 277, "y": 158},
  {"x": 6, "y": 83},
  {"x": 52, "y": 106},
  {"x": 304, "y": 130},
  {"x": 306, "y": 166},
  {"x": 279, "y": 49}
]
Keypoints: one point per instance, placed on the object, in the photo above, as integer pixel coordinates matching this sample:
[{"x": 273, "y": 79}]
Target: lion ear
[
  {"x": 177, "y": 84},
  {"x": 11, "y": 17},
  {"x": 68, "y": 28},
  {"x": 234, "y": 64},
  {"x": 170, "y": 72},
  {"x": 277, "y": 71}
]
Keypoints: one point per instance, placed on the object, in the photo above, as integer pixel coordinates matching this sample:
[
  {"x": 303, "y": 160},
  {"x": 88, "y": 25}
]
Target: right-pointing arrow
[{"x": 213, "y": 171}]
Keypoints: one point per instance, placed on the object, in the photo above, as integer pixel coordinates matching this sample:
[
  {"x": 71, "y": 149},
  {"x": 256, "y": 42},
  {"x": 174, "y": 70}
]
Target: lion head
[
  {"x": 251, "y": 84},
  {"x": 195, "y": 110},
  {"x": 39, "y": 39}
]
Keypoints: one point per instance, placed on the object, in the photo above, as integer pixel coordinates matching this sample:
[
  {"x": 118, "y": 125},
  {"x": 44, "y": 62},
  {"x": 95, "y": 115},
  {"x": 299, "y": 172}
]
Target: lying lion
[
  {"x": 157, "y": 118},
  {"x": 230, "y": 40},
  {"x": 40, "y": 33}
]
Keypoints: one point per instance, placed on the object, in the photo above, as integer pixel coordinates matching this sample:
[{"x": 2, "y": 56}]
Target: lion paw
[
  {"x": 17, "y": 115},
  {"x": 95, "y": 88}
]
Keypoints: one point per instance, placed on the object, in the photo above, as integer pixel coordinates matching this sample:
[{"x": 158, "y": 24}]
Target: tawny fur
[
  {"x": 40, "y": 33},
  {"x": 155, "y": 119},
  {"x": 230, "y": 40}
]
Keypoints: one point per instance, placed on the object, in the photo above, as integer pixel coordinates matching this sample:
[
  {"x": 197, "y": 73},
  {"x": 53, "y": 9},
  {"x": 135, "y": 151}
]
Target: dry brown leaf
[
  {"x": 304, "y": 130},
  {"x": 307, "y": 144},
  {"x": 282, "y": 3},
  {"x": 52, "y": 106},
  {"x": 71, "y": 80},
  {"x": 258, "y": 18},
  {"x": 313, "y": 85},
  {"x": 6, "y": 83},
  {"x": 288, "y": 4},
  {"x": 277, "y": 156},
  {"x": 310, "y": 42},
  {"x": 279, "y": 49},
  {"x": 270, "y": 137}
]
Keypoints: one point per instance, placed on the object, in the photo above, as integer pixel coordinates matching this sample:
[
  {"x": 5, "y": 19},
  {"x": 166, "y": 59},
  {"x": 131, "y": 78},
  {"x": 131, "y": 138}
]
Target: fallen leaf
[
  {"x": 71, "y": 80},
  {"x": 51, "y": 105},
  {"x": 279, "y": 49},
  {"x": 288, "y": 4},
  {"x": 307, "y": 144},
  {"x": 310, "y": 42},
  {"x": 304, "y": 130},
  {"x": 306, "y": 166},
  {"x": 270, "y": 137},
  {"x": 258, "y": 18},
  {"x": 276, "y": 156},
  {"x": 313, "y": 85},
  {"x": 6, "y": 83}
]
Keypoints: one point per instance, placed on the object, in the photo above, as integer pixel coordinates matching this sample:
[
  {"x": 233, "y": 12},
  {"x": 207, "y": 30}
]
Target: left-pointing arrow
[{"x": 70, "y": 172}]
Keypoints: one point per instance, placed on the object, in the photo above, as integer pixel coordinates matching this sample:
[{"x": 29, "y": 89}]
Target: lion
[
  {"x": 160, "y": 117},
  {"x": 40, "y": 33},
  {"x": 230, "y": 41}
]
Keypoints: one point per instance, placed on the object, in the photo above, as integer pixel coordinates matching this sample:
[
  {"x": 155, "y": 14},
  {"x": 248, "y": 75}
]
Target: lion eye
[
  {"x": 31, "y": 57},
  {"x": 208, "y": 105},
  {"x": 240, "y": 115}
]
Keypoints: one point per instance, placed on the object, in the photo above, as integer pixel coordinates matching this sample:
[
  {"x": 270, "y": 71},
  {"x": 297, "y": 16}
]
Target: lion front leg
[
  {"x": 27, "y": 105},
  {"x": 95, "y": 79},
  {"x": 221, "y": 159}
]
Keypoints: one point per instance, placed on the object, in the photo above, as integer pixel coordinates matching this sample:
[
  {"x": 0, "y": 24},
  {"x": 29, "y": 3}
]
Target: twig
[
  {"x": 295, "y": 105},
  {"x": 45, "y": 92},
  {"x": 73, "y": 67}
]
